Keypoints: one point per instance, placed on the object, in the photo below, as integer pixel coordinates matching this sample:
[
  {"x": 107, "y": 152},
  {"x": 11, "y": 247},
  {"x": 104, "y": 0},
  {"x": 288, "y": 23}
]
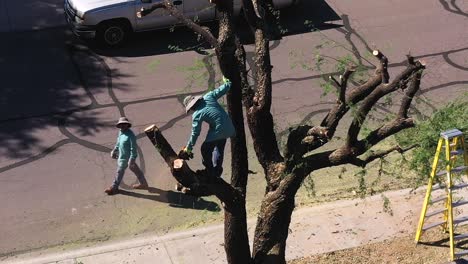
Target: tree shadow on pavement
[
  {"x": 308, "y": 16},
  {"x": 174, "y": 199},
  {"x": 32, "y": 15},
  {"x": 302, "y": 18},
  {"x": 453, "y": 7},
  {"x": 43, "y": 86}
]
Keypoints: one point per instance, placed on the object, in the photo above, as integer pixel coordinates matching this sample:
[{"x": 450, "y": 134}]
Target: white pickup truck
[{"x": 110, "y": 21}]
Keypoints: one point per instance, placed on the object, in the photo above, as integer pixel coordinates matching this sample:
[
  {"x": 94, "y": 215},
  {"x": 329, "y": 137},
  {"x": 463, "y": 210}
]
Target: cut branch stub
[
  {"x": 196, "y": 183},
  {"x": 161, "y": 144},
  {"x": 179, "y": 168},
  {"x": 303, "y": 139},
  {"x": 320, "y": 132},
  {"x": 295, "y": 147},
  {"x": 384, "y": 65}
]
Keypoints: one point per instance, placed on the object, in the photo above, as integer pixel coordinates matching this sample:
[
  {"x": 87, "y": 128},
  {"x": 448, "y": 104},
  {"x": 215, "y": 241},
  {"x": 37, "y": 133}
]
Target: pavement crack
[
  {"x": 36, "y": 157},
  {"x": 71, "y": 52},
  {"x": 79, "y": 141},
  {"x": 168, "y": 253},
  {"x": 109, "y": 86}
]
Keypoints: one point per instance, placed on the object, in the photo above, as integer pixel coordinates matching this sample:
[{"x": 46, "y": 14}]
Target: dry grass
[{"x": 433, "y": 249}]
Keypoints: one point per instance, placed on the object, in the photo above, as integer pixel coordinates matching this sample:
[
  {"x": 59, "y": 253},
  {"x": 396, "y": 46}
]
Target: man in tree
[
  {"x": 207, "y": 109},
  {"x": 125, "y": 151},
  {"x": 284, "y": 171}
]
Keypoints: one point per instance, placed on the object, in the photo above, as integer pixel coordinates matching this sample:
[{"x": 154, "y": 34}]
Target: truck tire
[{"x": 112, "y": 33}]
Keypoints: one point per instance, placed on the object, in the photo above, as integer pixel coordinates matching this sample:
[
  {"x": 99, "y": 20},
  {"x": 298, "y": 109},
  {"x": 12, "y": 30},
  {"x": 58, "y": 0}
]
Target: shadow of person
[{"x": 174, "y": 199}]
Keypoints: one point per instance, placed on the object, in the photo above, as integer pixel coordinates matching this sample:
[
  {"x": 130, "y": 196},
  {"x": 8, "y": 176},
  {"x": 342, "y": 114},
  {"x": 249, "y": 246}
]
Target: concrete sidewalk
[{"x": 323, "y": 228}]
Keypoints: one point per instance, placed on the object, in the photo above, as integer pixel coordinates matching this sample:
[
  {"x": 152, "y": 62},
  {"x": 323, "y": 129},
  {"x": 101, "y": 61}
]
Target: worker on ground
[
  {"x": 207, "y": 109},
  {"x": 125, "y": 151}
]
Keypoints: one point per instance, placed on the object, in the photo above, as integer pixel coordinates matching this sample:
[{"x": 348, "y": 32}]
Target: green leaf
[
  {"x": 154, "y": 64},
  {"x": 427, "y": 131}
]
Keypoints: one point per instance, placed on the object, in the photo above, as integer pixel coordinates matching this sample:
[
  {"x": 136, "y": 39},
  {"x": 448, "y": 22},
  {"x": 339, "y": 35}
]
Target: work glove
[
  {"x": 115, "y": 153},
  {"x": 225, "y": 80},
  {"x": 185, "y": 154}
]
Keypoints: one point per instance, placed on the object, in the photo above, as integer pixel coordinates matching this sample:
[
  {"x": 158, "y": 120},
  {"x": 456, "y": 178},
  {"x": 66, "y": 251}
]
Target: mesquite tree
[{"x": 284, "y": 170}]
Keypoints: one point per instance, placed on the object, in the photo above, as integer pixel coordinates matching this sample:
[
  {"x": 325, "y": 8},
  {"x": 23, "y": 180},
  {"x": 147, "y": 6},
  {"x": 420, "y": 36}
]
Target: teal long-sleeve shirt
[
  {"x": 127, "y": 145},
  {"x": 210, "y": 111}
]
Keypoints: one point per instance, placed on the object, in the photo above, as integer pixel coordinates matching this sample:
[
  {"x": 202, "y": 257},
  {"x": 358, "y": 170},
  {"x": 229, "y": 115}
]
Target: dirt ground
[{"x": 433, "y": 249}]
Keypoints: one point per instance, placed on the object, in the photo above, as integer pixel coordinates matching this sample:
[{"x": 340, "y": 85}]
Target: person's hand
[
  {"x": 114, "y": 154},
  {"x": 188, "y": 151},
  {"x": 185, "y": 154},
  {"x": 225, "y": 80}
]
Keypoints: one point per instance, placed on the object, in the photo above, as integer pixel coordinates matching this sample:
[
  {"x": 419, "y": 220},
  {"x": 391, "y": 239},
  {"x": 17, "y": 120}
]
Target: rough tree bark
[
  {"x": 229, "y": 53},
  {"x": 285, "y": 177},
  {"x": 284, "y": 172},
  {"x": 236, "y": 241}
]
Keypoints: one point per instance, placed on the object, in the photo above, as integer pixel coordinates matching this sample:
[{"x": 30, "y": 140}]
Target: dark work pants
[{"x": 212, "y": 156}]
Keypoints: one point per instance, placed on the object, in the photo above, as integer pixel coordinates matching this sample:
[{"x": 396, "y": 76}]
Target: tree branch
[
  {"x": 343, "y": 156},
  {"x": 348, "y": 154},
  {"x": 196, "y": 183},
  {"x": 337, "y": 84},
  {"x": 353, "y": 148},
  {"x": 409, "y": 94},
  {"x": 303, "y": 139},
  {"x": 169, "y": 7},
  {"x": 346, "y": 75},
  {"x": 386, "y": 130},
  {"x": 259, "y": 116},
  {"x": 247, "y": 92},
  {"x": 380, "y": 154},
  {"x": 399, "y": 82},
  {"x": 263, "y": 67},
  {"x": 344, "y": 84},
  {"x": 384, "y": 65},
  {"x": 352, "y": 97},
  {"x": 272, "y": 23}
]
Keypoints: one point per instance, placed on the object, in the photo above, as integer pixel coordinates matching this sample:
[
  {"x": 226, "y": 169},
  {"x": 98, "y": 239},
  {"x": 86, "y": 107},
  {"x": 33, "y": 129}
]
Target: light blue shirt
[
  {"x": 209, "y": 110},
  {"x": 127, "y": 145}
]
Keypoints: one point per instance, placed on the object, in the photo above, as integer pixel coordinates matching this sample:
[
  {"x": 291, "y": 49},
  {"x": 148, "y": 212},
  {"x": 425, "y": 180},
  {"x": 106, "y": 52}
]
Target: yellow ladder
[{"x": 454, "y": 144}]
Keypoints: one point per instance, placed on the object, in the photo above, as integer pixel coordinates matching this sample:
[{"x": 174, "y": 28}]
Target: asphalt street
[{"x": 60, "y": 99}]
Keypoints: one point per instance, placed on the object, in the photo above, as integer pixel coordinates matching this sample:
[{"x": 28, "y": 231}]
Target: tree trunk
[
  {"x": 236, "y": 240},
  {"x": 283, "y": 175},
  {"x": 272, "y": 228}
]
